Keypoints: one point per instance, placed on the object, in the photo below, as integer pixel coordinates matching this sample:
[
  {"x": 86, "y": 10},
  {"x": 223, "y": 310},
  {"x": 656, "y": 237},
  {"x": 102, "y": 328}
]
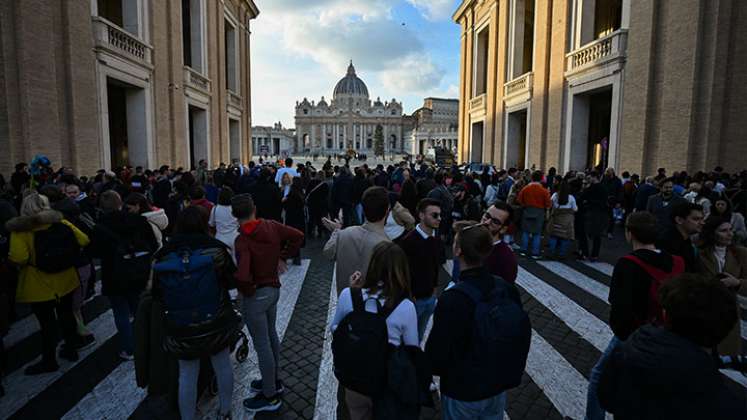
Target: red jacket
[{"x": 260, "y": 245}]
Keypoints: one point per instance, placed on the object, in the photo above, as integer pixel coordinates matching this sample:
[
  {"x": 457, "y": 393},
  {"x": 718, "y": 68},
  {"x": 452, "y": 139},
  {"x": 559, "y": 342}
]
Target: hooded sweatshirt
[
  {"x": 657, "y": 374},
  {"x": 259, "y": 247},
  {"x": 159, "y": 222}
]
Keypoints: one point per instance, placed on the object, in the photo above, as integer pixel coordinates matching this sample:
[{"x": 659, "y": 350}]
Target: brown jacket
[
  {"x": 351, "y": 249},
  {"x": 736, "y": 265}
]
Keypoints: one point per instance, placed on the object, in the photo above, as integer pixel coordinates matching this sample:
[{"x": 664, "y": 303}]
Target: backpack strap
[
  {"x": 470, "y": 290},
  {"x": 356, "y": 295},
  {"x": 656, "y": 273}
]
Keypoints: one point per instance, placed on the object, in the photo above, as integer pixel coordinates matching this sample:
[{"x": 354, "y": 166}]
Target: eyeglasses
[
  {"x": 436, "y": 215},
  {"x": 486, "y": 216}
]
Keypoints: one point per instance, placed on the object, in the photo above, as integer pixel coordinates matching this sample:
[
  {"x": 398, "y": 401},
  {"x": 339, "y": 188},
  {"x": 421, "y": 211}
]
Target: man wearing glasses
[
  {"x": 426, "y": 254},
  {"x": 501, "y": 261}
]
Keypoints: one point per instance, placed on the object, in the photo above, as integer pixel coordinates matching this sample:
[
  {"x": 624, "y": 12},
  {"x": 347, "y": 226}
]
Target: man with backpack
[
  {"x": 634, "y": 299},
  {"x": 477, "y": 354},
  {"x": 262, "y": 248},
  {"x": 125, "y": 243}
]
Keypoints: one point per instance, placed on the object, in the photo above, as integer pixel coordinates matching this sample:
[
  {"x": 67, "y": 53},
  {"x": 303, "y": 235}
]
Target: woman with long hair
[
  {"x": 222, "y": 221},
  {"x": 139, "y": 204},
  {"x": 293, "y": 204},
  {"x": 722, "y": 208},
  {"x": 721, "y": 259},
  {"x": 561, "y": 225},
  {"x": 387, "y": 282}
]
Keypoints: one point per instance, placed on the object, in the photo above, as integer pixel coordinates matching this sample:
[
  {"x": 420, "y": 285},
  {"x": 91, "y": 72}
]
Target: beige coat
[
  {"x": 351, "y": 249},
  {"x": 736, "y": 265}
]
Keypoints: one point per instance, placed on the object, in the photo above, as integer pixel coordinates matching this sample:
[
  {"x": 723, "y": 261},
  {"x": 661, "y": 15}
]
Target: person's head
[
  {"x": 137, "y": 203},
  {"x": 110, "y": 201},
  {"x": 694, "y": 187},
  {"x": 225, "y": 196},
  {"x": 192, "y": 220},
  {"x": 72, "y": 191},
  {"x": 722, "y": 207},
  {"x": 698, "y": 308},
  {"x": 52, "y": 192},
  {"x": 289, "y": 163},
  {"x": 286, "y": 179},
  {"x": 472, "y": 243},
  {"x": 202, "y": 164},
  {"x": 641, "y": 227},
  {"x": 197, "y": 193},
  {"x": 389, "y": 267},
  {"x": 375, "y": 204},
  {"x": 564, "y": 190},
  {"x": 667, "y": 188},
  {"x": 34, "y": 203},
  {"x": 593, "y": 177},
  {"x": 242, "y": 207},
  {"x": 429, "y": 211},
  {"x": 497, "y": 218},
  {"x": 717, "y": 231},
  {"x": 610, "y": 173},
  {"x": 688, "y": 217}
]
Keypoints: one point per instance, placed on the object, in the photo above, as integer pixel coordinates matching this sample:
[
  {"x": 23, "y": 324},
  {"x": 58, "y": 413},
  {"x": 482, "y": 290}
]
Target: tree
[{"x": 379, "y": 141}]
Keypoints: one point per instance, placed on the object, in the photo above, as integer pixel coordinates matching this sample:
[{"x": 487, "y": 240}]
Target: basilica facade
[{"x": 350, "y": 120}]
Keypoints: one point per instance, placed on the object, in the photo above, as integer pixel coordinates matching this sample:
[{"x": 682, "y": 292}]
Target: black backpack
[
  {"x": 55, "y": 249},
  {"x": 501, "y": 333},
  {"x": 360, "y": 346}
]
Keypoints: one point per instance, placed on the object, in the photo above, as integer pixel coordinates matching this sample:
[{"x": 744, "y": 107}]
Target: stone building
[
  {"x": 349, "y": 121},
  {"x": 435, "y": 125},
  {"x": 103, "y": 83},
  {"x": 274, "y": 141},
  {"x": 635, "y": 85}
]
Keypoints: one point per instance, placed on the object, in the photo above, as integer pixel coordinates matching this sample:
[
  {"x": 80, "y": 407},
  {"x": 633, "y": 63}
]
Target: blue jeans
[
  {"x": 189, "y": 370},
  {"x": 424, "y": 309},
  {"x": 554, "y": 242},
  {"x": 488, "y": 409},
  {"x": 536, "y": 238},
  {"x": 124, "y": 308},
  {"x": 594, "y": 411}
]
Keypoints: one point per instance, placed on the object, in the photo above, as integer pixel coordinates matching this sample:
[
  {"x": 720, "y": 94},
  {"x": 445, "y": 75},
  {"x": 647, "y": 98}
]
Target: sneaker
[
  {"x": 536, "y": 257},
  {"x": 40, "y": 368},
  {"x": 433, "y": 387},
  {"x": 256, "y": 387},
  {"x": 69, "y": 354},
  {"x": 259, "y": 403},
  {"x": 126, "y": 356}
]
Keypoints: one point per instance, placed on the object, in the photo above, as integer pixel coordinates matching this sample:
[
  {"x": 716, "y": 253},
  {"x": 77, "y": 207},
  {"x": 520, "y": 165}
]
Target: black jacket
[
  {"x": 117, "y": 231},
  {"x": 657, "y": 374},
  {"x": 450, "y": 338},
  {"x": 673, "y": 243},
  {"x": 342, "y": 191},
  {"x": 629, "y": 291}
]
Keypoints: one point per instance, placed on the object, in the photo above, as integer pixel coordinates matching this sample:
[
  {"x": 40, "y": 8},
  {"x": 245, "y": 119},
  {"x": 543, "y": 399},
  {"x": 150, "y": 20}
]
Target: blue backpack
[
  {"x": 190, "y": 289},
  {"x": 501, "y": 334}
]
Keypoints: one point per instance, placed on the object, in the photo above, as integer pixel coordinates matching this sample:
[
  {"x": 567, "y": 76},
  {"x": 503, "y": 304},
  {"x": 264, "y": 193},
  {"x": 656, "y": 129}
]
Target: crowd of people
[{"x": 171, "y": 244}]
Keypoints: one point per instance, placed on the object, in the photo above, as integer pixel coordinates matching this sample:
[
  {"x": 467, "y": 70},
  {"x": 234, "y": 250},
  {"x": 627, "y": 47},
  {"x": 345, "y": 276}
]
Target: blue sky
[{"x": 403, "y": 49}]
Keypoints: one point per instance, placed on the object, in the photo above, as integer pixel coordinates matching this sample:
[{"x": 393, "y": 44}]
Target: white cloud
[
  {"x": 434, "y": 9},
  {"x": 415, "y": 73}
]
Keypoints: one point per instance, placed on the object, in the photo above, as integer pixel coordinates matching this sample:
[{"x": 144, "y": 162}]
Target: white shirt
[
  {"x": 571, "y": 204},
  {"x": 282, "y": 171},
  {"x": 226, "y": 226},
  {"x": 402, "y": 323},
  {"x": 422, "y": 232}
]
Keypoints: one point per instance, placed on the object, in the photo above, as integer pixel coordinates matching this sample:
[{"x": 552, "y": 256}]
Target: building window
[
  {"x": 521, "y": 38},
  {"x": 329, "y": 143},
  {"x": 305, "y": 112},
  {"x": 481, "y": 61},
  {"x": 123, "y": 13},
  {"x": 231, "y": 62},
  {"x": 192, "y": 30}
]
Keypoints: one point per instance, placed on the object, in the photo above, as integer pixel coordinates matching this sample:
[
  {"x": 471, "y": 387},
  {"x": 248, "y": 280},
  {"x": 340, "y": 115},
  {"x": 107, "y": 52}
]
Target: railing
[
  {"x": 234, "y": 99},
  {"x": 110, "y": 36},
  {"x": 195, "y": 79},
  {"x": 477, "y": 102},
  {"x": 598, "y": 52},
  {"x": 518, "y": 85}
]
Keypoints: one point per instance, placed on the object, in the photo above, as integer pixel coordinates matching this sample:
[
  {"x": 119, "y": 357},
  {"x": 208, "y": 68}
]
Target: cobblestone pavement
[{"x": 566, "y": 302}]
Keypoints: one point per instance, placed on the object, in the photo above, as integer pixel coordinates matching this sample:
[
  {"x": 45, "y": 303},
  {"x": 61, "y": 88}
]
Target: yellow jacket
[{"x": 35, "y": 285}]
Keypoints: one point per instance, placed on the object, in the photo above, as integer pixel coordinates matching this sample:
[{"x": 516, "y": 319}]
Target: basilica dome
[{"x": 351, "y": 85}]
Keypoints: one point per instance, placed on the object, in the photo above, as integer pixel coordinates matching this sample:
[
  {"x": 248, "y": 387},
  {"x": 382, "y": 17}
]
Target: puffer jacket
[
  {"x": 35, "y": 285},
  {"x": 198, "y": 340},
  {"x": 159, "y": 222}
]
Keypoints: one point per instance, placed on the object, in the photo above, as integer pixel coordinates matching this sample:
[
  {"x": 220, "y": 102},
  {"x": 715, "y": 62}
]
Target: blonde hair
[{"x": 34, "y": 203}]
